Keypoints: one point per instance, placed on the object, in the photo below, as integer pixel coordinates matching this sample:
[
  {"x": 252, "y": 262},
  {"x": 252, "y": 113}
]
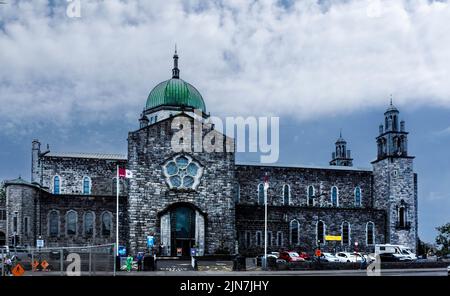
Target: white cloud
[{"x": 245, "y": 57}]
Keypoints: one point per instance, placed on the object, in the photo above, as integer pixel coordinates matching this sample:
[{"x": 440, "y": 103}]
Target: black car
[{"x": 389, "y": 257}]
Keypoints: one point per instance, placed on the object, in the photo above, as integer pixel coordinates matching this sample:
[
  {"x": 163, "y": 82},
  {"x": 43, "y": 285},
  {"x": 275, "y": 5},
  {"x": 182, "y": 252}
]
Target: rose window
[{"x": 182, "y": 172}]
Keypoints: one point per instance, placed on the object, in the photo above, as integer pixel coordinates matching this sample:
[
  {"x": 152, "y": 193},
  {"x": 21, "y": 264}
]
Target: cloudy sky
[{"x": 79, "y": 83}]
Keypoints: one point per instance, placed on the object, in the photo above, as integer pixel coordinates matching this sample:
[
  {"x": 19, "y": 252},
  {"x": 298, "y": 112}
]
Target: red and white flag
[
  {"x": 266, "y": 182},
  {"x": 124, "y": 173}
]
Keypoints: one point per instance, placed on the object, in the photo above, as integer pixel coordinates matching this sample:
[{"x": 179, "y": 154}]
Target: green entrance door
[{"x": 182, "y": 230}]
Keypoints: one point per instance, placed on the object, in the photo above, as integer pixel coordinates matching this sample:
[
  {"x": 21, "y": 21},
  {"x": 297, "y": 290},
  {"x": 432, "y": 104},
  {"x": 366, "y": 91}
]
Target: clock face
[{"x": 182, "y": 172}]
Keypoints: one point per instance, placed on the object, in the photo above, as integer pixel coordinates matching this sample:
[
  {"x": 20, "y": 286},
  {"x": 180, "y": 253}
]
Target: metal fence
[{"x": 85, "y": 261}]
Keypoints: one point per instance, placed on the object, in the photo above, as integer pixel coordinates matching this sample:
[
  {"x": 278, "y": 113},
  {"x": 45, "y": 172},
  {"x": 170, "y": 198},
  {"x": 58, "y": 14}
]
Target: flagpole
[
  {"x": 265, "y": 230},
  {"x": 117, "y": 212}
]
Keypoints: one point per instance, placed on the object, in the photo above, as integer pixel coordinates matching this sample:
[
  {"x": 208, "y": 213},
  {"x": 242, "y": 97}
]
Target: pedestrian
[
  {"x": 8, "y": 263},
  {"x": 140, "y": 257},
  {"x": 129, "y": 262}
]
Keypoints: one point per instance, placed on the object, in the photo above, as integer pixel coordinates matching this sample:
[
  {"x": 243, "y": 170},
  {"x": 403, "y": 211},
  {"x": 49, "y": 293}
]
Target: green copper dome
[{"x": 175, "y": 92}]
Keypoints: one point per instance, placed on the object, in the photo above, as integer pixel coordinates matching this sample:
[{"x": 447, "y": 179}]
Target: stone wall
[
  {"x": 395, "y": 186},
  {"x": 21, "y": 203},
  {"x": 299, "y": 179},
  {"x": 250, "y": 219},
  {"x": 81, "y": 204},
  {"x": 102, "y": 173},
  {"x": 149, "y": 193}
]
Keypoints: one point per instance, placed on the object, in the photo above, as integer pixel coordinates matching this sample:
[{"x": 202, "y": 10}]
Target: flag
[
  {"x": 266, "y": 182},
  {"x": 124, "y": 173}
]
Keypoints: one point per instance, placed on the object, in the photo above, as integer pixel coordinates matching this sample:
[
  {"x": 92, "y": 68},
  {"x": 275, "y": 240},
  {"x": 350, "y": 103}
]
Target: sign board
[
  {"x": 122, "y": 251},
  {"x": 150, "y": 241},
  {"x": 333, "y": 237},
  {"x": 35, "y": 264},
  {"x": 44, "y": 264},
  {"x": 40, "y": 243},
  {"x": 318, "y": 253},
  {"x": 18, "y": 270},
  {"x": 193, "y": 252},
  {"x": 179, "y": 251},
  {"x": 250, "y": 263}
]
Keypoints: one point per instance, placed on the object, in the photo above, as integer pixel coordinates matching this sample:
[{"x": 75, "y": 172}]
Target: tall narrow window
[
  {"x": 334, "y": 196},
  {"x": 56, "y": 185},
  {"x": 258, "y": 238},
  {"x": 248, "y": 239},
  {"x": 357, "y": 197},
  {"x": 402, "y": 217},
  {"x": 26, "y": 222},
  {"x": 286, "y": 194},
  {"x": 310, "y": 196},
  {"x": 279, "y": 239},
  {"x": 71, "y": 223},
  {"x": 15, "y": 226},
  {"x": 89, "y": 224},
  {"x": 294, "y": 228},
  {"x": 345, "y": 233},
  {"x": 106, "y": 224},
  {"x": 86, "y": 185},
  {"x": 53, "y": 223},
  {"x": 261, "y": 194},
  {"x": 237, "y": 196},
  {"x": 269, "y": 238},
  {"x": 320, "y": 232},
  {"x": 370, "y": 233}
]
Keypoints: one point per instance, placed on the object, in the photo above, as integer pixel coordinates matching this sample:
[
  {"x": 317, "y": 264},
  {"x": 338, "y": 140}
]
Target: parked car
[
  {"x": 260, "y": 258},
  {"x": 448, "y": 270},
  {"x": 393, "y": 257},
  {"x": 348, "y": 257},
  {"x": 291, "y": 256},
  {"x": 396, "y": 249},
  {"x": 305, "y": 256},
  {"x": 445, "y": 258},
  {"x": 328, "y": 257}
]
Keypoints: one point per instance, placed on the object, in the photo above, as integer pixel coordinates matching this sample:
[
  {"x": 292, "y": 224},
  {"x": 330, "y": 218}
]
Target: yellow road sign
[{"x": 333, "y": 237}]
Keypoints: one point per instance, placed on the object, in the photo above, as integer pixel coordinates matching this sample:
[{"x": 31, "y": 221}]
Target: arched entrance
[
  {"x": 182, "y": 228},
  {"x": 2, "y": 239}
]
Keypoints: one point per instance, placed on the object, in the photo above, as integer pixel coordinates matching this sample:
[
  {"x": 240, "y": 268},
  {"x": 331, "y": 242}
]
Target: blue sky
[{"x": 79, "y": 84}]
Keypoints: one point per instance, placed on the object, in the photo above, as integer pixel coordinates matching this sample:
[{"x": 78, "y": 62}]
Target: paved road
[{"x": 387, "y": 272}]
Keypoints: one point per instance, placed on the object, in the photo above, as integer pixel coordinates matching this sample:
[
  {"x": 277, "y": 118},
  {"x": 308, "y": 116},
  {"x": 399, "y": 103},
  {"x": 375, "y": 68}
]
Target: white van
[{"x": 395, "y": 249}]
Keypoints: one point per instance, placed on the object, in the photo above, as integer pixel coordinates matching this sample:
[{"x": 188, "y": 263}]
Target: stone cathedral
[{"x": 208, "y": 200}]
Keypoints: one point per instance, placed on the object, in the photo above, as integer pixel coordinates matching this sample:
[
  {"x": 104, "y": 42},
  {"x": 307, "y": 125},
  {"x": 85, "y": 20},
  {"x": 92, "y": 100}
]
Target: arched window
[
  {"x": 89, "y": 224},
  {"x": 56, "y": 185},
  {"x": 258, "y": 238},
  {"x": 345, "y": 233},
  {"x": 370, "y": 233},
  {"x": 106, "y": 224},
  {"x": 311, "y": 193},
  {"x": 71, "y": 222},
  {"x": 53, "y": 223},
  {"x": 286, "y": 194},
  {"x": 334, "y": 196},
  {"x": 320, "y": 232},
  {"x": 237, "y": 193},
  {"x": 279, "y": 239},
  {"x": 357, "y": 196},
  {"x": 294, "y": 229},
  {"x": 86, "y": 185},
  {"x": 261, "y": 194}
]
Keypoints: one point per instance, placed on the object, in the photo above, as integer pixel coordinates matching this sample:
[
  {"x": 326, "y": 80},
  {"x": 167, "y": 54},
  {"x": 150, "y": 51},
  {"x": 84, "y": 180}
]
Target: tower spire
[
  {"x": 391, "y": 100},
  {"x": 175, "y": 70}
]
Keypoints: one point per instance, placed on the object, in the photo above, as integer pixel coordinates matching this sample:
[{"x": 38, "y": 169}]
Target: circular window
[{"x": 182, "y": 172}]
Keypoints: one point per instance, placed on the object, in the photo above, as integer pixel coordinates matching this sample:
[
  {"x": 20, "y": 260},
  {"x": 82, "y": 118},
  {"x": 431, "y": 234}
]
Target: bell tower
[
  {"x": 341, "y": 156},
  {"x": 395, "y": 183}
]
